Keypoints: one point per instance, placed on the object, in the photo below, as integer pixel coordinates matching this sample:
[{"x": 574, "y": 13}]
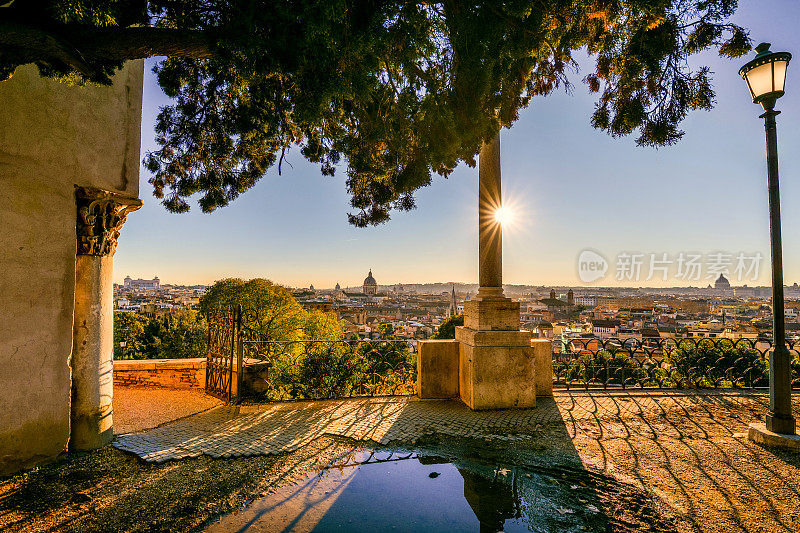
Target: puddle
[{"x": 409, "y": 491}]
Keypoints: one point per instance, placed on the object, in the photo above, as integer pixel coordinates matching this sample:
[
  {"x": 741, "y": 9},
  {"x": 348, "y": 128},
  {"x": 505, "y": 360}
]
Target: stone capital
[{"x": 101, "y": 215}]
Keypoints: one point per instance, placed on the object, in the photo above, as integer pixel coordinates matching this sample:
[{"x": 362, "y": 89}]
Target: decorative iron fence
[
  {"x": 666, "y": 363},
  {"x": 240, "y": 362},
  {"x": 317, "y": 369}
]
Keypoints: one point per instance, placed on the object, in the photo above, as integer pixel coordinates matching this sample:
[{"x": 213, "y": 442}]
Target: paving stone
[{"x": 266, "y": 429}]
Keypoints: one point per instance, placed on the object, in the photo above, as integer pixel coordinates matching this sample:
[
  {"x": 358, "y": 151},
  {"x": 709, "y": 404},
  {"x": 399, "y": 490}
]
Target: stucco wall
[{"x": 52, "y": 137}]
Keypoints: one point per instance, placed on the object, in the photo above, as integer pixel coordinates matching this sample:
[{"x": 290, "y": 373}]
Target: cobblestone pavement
[{"x": 262, "y": 429}]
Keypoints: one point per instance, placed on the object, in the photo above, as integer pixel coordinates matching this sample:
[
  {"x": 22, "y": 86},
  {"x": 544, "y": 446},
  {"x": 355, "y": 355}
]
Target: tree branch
[
  {"x": 76, "y": 45},
  {"x": 141, "y": 42},
  {"x": 32, "y": 40}
]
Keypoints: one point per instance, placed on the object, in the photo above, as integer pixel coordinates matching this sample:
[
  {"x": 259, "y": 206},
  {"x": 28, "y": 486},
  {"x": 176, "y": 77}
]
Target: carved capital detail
[{"x": 101, "y": 215}]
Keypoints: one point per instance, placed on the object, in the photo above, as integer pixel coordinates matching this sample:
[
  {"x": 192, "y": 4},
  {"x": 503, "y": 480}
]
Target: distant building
[
  {"x": 543, "y": 330},
  {"x": 370, "y": 286},
  {"x": 151, "y": 284},
  {"x": 605, "y": 328},
  {"x": 722, "y": 283},
  {"x": 554, "y": 305},
  {"x": 338, "y": 287}
]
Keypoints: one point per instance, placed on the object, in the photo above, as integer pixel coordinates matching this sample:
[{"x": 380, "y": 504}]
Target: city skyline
[
  {"x": 585, "y": 288},
  {"x": 571, "y": 188}
]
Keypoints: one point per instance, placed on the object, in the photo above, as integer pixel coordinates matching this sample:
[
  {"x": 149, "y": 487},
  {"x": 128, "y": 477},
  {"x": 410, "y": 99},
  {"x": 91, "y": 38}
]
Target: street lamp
[{"x": 766, "y": 76}]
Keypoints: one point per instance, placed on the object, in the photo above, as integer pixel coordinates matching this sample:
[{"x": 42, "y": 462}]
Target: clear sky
[{"x": 571, "y": 188}]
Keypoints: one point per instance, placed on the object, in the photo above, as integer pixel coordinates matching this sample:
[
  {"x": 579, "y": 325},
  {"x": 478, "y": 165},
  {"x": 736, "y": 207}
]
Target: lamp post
[{"x": 766, "y": 76}]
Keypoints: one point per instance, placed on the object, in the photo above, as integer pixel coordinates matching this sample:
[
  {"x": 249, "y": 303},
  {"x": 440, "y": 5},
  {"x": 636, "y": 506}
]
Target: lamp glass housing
[{"x": 766, "y": 75}]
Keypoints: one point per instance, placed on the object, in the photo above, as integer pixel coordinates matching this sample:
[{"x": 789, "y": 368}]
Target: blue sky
[{"x": 571, "y": 187}]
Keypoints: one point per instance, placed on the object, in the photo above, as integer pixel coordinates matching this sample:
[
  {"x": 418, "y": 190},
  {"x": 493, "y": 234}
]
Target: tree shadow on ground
[
  {"x": 646, "y": 460},
  {"x": 691, "y": 450},
  {"x": 516, "y": 468}
]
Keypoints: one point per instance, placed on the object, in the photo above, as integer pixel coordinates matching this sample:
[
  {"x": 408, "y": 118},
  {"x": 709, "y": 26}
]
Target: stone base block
[
  {"x": 543, "y": 366},
  {"x": 437, "y": 369},
  {"x": 496, "y": 369},
  {"x": 759, "y": 434},
  {"x": 500, "y": 314}
]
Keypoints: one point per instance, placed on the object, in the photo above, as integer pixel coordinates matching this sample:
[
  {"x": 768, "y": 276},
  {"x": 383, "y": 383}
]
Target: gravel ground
[
  {"x": 109, "y": 490},
  {"x": 690, "y": 461}
]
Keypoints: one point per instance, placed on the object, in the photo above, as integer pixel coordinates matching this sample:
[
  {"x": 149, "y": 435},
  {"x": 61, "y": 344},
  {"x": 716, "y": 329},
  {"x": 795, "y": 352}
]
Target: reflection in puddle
[
  {"x": 493, "y": 501},
  {"x": 369, "y": 492}
]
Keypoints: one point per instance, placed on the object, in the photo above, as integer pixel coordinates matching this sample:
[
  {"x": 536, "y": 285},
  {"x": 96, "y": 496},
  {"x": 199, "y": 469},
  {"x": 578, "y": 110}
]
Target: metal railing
[
  {"x": 242, "y": 362},
  {"x": 323, "y": 369},
  {"x": 665, "y": 363}
]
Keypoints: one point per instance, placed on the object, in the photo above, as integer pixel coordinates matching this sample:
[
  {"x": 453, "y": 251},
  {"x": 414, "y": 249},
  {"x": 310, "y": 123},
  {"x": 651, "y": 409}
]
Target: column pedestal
[
  {"x": 496, "y": 360},
  {"x": 491, "y": 314}
]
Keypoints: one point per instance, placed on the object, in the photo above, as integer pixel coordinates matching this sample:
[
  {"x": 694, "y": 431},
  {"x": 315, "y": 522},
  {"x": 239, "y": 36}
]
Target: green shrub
[{"x": 720, "y": 363}]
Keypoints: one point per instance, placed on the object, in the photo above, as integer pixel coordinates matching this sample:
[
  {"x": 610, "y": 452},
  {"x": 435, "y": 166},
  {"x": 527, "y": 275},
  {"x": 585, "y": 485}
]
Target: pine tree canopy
[{"x": 399, "y": 90}]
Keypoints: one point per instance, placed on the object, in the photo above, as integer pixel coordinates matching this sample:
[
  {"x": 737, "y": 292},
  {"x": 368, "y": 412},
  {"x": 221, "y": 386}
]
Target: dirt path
[{"x": 138, "y": 408}]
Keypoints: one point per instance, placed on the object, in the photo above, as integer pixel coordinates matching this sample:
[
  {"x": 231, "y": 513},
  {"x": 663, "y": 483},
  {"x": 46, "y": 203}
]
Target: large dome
[
  {"x": 722, "y": 283},
  {"x": 370, "y": 286}
]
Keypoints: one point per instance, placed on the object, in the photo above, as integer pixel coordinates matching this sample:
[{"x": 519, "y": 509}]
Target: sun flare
[{"x": 504, "y": 216}]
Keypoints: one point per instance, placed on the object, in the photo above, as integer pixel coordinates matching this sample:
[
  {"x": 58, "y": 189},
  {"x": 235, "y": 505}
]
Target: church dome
[
  {"x": 370, "y": 286},
  {"x": 722, "y": 283}
]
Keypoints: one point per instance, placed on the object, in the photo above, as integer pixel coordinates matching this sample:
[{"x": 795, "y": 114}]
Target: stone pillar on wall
[{"x": 100, "y": 216}]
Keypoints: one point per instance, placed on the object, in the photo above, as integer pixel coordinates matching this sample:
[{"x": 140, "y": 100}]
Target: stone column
[
  {"x": 101, "y": 215},
  {"x": 490, "y": 231},
  {"x": 496, "y": 361}
]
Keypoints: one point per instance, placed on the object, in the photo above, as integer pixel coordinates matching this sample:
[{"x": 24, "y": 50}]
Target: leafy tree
[
  {"x": 270, "y": 309},
  {"x": 129, "y": 329},
  {"x": 327, "y": 371},
  {"x": 339, "y": 369},
  {"x": 184, "y": 336},
  {"x": 320, "y": 325},
  {"x": 168, "y": 337},
  {"x": 604, "y": 367},
  {"x": 720, "y": 362},
  {"x": 447, "y": 330},
  {"x": 401, "y": 89}
]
